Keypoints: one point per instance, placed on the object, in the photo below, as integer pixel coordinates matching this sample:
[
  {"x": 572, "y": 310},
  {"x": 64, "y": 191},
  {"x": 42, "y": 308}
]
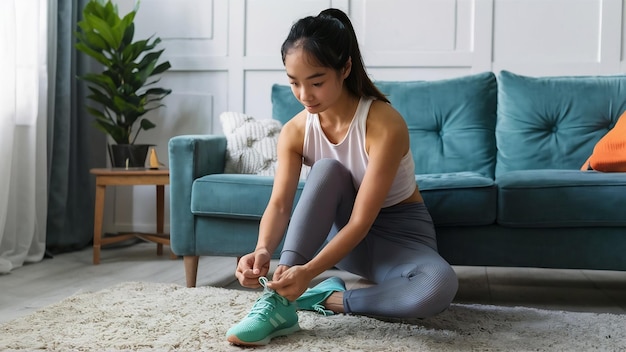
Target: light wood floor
[{"x": 34, "y": 286}]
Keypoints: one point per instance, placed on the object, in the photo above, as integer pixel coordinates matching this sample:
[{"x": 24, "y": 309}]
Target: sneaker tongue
[
  {"x": 261, "y": 306},
  {"x": 267, "y": 302},
  {"x": 264, "y": 305},
  {"x": 268, "y": 291}
]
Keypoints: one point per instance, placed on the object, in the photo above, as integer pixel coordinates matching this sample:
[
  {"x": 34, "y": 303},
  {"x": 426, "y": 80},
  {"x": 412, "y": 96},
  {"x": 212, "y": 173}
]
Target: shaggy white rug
[{"x": 166, "y": 317}]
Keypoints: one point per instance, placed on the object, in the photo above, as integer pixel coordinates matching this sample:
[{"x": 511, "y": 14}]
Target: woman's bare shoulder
[
  {"x": 382, "y": 114},
  {"x": 298, "y": 122},
  {"x": 293, "y": 130},
  {"x": 386, "y": 127}
]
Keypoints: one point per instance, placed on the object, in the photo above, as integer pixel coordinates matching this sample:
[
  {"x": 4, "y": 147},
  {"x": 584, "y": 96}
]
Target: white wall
[{"x": 225, "y": 55}]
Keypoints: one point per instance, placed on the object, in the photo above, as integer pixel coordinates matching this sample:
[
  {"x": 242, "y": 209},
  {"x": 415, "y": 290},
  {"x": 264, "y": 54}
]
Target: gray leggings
[{"x": 399, "y": 254}]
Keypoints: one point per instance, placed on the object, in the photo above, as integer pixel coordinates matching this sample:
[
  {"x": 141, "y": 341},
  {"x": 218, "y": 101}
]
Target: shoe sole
[{"x": 282, "y": 332}]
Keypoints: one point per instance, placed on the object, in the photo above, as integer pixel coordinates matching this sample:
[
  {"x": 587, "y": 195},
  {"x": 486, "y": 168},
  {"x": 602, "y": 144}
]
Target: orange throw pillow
[{"x": 609, "y": 154}]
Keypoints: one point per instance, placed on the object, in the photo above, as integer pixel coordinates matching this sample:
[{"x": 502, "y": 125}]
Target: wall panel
[
  {"x": 192, "y": 31},
  {"x": 547, "y": 31},
  {"x": 411, "y": 26},
  {"x": 434, "y": 34},
  {"x": 557, "y": 37},
  {"x": 258, "y": 91},
  {"x": 268, "y": 22}
]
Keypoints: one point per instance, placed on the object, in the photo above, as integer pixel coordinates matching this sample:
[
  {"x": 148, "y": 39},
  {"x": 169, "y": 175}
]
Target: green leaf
[
  {"x": 103, "y": 81},
  {"x": 129, "y": 26},
  {"x": 155, "y": 107},
  {"x": 133, "y": 51},
  {"x": 149, "y": 59},
  {"x": 147, "y": 124},
  {"x": 162, "y": 68},
  {"x": 104, "y": 29},
  {"x": 145, "y": 72},
  {"x": 120, "y": 135},
  {"x": 93, "y": 53},
  {"x": 94, "y": 41},
  {"x": 129, "y": 34},
  {"x": 158, "y": 91},
  {"x": 97, "y": 113}
]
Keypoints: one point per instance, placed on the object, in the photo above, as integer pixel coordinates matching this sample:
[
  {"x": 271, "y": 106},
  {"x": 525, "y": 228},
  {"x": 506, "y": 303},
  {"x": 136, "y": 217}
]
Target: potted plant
[{"x": 124, "y": 90}]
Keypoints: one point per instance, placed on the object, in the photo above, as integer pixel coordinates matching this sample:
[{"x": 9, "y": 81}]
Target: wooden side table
[{"x": 129, "y": 177}]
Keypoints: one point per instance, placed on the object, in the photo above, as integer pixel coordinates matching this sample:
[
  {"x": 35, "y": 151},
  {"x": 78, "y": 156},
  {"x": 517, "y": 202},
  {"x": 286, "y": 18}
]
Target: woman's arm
[
  {"x": 276, "y": 215},
  {"x": 387, "y": 142}
]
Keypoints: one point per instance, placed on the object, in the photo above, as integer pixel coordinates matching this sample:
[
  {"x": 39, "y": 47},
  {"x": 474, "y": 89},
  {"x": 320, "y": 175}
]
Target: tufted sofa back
[
  {"x": 554, "y": 122},
  {"x": 451, "y": 122}
]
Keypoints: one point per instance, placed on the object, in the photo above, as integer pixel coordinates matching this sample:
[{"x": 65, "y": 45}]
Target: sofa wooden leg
[{"x": 191, "y": 269}]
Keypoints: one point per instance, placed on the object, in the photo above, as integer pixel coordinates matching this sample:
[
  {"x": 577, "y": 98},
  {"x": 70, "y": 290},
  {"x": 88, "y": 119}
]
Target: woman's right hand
[{"x": 251, "y": 267}]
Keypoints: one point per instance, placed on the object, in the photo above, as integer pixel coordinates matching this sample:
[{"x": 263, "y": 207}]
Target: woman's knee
[
  {"x": 443, "y": 289},
  {"x": 329, "y": 167},
  {"x": 445, "y": 285},
  {"x": 430, "y": 291},
  {"x": 330, "y": 174}
]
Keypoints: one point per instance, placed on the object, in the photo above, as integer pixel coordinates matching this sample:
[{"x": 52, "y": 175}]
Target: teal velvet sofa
[{"x": 497, "y": 158}]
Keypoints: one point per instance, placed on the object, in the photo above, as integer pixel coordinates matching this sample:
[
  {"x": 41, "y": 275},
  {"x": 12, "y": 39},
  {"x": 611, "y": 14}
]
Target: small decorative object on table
[{"x": 154, "y": 160}]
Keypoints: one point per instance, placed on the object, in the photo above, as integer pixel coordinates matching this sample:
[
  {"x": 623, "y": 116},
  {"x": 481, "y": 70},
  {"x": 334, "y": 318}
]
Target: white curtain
[{"x": 23, "y": 109}]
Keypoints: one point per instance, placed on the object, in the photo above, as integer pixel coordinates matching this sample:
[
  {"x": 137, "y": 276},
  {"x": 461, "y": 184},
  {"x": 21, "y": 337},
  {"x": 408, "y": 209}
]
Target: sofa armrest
[{"x": 190, "y": 157}]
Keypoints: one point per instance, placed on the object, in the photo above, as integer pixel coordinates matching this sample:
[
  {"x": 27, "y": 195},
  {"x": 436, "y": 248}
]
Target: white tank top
[{"x": 351, "y": 153}]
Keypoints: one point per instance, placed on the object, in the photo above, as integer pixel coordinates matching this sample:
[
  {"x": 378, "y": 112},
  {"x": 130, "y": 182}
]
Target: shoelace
[
  {"x": 267, "y": 302},
  {"x": 322, "y": 310}
]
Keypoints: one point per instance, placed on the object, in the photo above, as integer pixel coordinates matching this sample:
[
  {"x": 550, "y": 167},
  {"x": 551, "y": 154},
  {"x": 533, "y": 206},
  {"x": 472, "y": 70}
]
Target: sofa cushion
[
  {"x": 554, "y": 122},
  {"x": 284, "y": 104},
  {"x": 465, "y": 198},
  {"x": 561, "y": 198},
  {"x": 451, "y": 122},
  {"x": 251, "y": 144},
  {"x": 459, "y": 199},
  {"x": 233, "y": 195}
]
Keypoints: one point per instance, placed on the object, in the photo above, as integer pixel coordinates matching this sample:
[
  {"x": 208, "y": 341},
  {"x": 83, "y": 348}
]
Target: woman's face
[{"x": 316, "y": 87}]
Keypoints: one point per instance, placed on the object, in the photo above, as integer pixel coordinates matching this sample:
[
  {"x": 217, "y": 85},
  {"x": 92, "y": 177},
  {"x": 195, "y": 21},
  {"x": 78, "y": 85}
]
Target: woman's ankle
[{"x": 334, "y": 302}]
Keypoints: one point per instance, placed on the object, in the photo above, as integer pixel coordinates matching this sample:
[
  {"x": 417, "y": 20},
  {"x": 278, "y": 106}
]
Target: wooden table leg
[
  {"x": 97, "y": 221},
  {"x": 159, "y": 215}
]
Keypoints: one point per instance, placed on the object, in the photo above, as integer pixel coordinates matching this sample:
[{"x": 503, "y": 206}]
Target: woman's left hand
[{"x": 290, "y": 282}]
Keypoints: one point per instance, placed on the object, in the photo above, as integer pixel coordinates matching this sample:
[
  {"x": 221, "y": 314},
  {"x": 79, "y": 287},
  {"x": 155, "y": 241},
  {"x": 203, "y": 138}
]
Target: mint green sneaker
[
  {"x": 271, "y": 315},
  {"x": 313, "y": 298}
]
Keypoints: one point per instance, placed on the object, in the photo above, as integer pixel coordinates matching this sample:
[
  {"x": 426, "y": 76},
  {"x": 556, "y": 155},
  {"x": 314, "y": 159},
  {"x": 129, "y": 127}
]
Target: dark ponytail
[{"x": 330, "y": 38}]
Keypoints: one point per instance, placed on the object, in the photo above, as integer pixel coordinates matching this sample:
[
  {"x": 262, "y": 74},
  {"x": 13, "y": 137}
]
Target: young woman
[{"x": 360, "y": 209}]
